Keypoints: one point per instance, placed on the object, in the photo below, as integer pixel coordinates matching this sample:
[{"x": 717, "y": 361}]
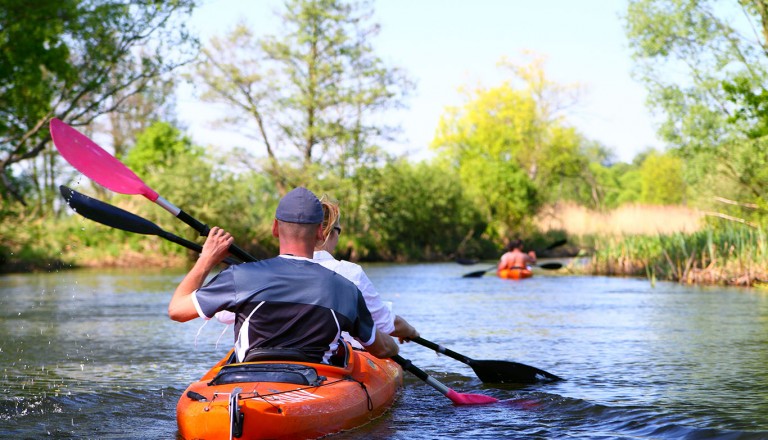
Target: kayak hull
[
  {"x": 514, "y": 274},
  {"x": 341, "y": 398}
]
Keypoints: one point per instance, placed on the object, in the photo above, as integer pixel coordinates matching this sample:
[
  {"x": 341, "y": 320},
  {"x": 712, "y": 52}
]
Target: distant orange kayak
[
  {"x": 287, "y": 400},
  {"x": 514, "y": 274}
]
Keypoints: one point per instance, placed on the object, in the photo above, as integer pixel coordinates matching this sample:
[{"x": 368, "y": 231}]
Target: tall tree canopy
[
  {"x": 310, "y": 95},
  {"x": 510, "y": 145},
  {"x": 704, "y": 64},
  {"x": 76, "y": 60}
]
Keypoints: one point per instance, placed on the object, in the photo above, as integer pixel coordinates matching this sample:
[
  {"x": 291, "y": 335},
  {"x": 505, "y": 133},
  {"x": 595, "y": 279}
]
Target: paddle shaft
[
  {"x": 456, "y": 398},
  {"x": 200, "y": 227},
  {"x": 409, "y": 367},
  {"x": 442, "y": 350}
]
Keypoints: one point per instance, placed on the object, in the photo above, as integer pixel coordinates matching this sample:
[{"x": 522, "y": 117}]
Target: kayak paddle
[
  {"x": 548, "y": 266},
  {"x": 495, "y": 371},
  {"x": 479, "y": 273},
  {"x": 456, "y": 398},
  {"x": 117, "y": 218},
  {"x": 104, "y": 169}
]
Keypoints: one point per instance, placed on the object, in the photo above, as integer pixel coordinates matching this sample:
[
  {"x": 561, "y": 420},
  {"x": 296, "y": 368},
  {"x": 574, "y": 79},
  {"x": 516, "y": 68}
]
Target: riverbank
[{"x": 692, "y": 253}]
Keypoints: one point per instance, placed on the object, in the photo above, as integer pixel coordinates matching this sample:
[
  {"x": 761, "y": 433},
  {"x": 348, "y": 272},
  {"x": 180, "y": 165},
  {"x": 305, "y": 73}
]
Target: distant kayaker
[
  {"x": 385, "y": 319},
  {"x": 286, "y": 306},
  {"x": 515, "y": 258}
]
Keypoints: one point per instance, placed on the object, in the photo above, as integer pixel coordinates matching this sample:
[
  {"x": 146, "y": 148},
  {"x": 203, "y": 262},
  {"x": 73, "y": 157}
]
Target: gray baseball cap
[{"x": 300, "y": 205}]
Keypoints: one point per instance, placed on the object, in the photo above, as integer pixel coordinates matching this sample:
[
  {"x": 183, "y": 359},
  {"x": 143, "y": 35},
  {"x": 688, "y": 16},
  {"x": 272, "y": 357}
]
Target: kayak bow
[{"x": 287, "y": 399}]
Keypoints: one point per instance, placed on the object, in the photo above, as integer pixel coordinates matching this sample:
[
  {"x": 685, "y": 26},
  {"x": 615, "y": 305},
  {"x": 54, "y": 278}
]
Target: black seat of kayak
[
  {"x": 339, "y": 359},
  {"x": 284, "y": 373},
  {"x": 276, "y": 354}
]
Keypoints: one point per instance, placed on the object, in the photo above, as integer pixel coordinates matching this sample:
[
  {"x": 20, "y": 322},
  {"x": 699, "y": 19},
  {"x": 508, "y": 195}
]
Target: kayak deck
[{"x": 287, "y": 400}]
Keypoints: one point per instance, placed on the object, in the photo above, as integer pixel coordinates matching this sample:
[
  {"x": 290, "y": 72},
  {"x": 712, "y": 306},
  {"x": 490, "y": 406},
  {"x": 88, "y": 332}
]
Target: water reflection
[{"x": 93, "y": 354}]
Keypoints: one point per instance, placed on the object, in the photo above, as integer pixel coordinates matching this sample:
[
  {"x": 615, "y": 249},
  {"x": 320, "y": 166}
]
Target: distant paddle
[
  {"x": 495, "y": 371},
  {"x": 104, "y": 169},
  {"x": 479, "y": 273},
  {"x": 547, "y": 266}
]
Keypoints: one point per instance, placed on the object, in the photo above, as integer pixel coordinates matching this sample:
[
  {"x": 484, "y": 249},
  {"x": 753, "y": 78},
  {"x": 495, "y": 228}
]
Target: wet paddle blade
[
  {"x": 106, "y": 214},
  {"x": 470, "y": 399},
  {"x": 100, "y": 166},
  {"x": 493, "y": 371}
]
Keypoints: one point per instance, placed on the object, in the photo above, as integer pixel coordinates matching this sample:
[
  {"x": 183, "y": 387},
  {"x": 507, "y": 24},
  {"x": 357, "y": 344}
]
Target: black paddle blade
[
  {"x": 556, "y": 244},
  {"x": 510, "y": 372},
  {"x": 550, "y": 266},
  {"x": 107, "y": 214},
  {"x": 478, "y": 273}
]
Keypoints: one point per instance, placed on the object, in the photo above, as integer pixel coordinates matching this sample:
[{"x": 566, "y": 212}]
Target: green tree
[
  {"x": 661, "y": 179},
  {"x": 510, "y": 147},
  {"x": 218, "y": 191},
  {"x": 75, "y": 60},
  {"x": 415, "y": 211},
  {"x": 157, "y": 146},
  {"x": 703, "y": 63},
  {"x": 310, "y": 96}
]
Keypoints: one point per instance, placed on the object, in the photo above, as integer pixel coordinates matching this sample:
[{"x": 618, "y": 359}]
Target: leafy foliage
[
  {"x": 417, "y": 211},
  {"x": 510, "y": 148},
  {"x": 76, "y": 60},
  {"x": 705, "y": 70}
]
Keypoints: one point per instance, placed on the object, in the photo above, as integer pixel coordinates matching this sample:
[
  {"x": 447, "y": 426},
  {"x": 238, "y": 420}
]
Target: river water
[{"x": 92, "y": 354}]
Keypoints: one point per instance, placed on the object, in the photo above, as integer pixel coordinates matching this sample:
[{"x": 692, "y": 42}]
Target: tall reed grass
[
  {"x": 730, "y": 255},
  {"x": 577, "y": 220},
  {"x": 663, "y": 242}
]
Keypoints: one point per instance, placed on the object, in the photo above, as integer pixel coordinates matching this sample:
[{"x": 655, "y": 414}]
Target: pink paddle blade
[
  {"x": 100, "y": 166},
  {"x": 469, "y": 399}
]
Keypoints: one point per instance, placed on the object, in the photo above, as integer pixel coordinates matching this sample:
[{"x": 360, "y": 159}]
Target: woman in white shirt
[{"x": 385, "y": 319}]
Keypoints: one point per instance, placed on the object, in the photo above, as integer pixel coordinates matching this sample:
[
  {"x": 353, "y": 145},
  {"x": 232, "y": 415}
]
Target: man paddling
[
  {"x": 285, "y": 305},
  {"x": 515, "y": 258}
]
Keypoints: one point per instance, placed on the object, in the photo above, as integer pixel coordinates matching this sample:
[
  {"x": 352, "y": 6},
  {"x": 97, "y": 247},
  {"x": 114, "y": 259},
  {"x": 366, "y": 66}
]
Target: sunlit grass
[
  {"x": 629, "y": 219},
  {"x": 664, "y": 243}
]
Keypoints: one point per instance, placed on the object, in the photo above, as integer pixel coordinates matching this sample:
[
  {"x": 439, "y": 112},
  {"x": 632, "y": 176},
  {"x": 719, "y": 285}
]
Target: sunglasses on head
[{"x": 337, "y": 229}]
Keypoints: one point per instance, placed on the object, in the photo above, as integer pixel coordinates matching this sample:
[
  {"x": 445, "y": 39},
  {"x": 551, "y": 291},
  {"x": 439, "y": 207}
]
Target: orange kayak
[
  {"x": 287, "y": 400},
  {"x": 514, "y": 274}
]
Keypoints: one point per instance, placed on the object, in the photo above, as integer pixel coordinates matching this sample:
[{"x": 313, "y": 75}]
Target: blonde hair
[{"x": 331, "y": 216}]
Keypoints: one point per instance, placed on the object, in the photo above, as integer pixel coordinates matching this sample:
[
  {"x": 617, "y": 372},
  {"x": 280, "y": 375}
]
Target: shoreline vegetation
[
  {"x": 669, "y": 243},
  {"x": 659, "y": 243}
]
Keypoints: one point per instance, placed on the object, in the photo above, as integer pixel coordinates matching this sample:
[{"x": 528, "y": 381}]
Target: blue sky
[{"x": 446, "y": 44}]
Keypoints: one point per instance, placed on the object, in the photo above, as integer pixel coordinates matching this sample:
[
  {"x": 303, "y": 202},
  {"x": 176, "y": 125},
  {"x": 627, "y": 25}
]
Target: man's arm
[{"x": 216, "y": 248}]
